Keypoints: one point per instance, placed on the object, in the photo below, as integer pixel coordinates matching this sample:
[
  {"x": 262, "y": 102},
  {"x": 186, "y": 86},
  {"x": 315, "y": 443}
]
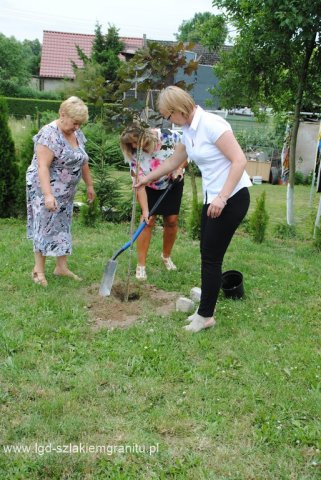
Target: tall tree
[
  {"x": 8, "y": 166},
  {"x": 33, "y": 51},
  {"x": 94, "y": 81},
  {"x": 14, "y": 65},
  {"x": 274, "y": 61},
  {"x": 204, "y": 28},
  {"x": 106, "y": 50}
]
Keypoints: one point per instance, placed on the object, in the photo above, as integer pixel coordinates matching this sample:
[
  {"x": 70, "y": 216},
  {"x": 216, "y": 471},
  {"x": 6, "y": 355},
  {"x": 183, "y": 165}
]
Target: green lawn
[{"x": 240, "y": 401}]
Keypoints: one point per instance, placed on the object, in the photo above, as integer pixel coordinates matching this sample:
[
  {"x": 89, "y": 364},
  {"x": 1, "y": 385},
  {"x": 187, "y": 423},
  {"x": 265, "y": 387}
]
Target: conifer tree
[
  {"x": 8, "y": 166},
  {"x": 24, "y": 160}
]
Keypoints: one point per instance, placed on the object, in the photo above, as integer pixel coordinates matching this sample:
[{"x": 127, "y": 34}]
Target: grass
[{"x": 241, "y": 401}]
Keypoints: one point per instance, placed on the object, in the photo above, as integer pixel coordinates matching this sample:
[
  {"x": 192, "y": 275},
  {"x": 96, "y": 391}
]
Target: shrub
[
  {"x": 25, "y": 154},
  {"x": 259, "y": 219},
  {"x": 283, "y": 230},
  {"x": 194, "y": 223},
  {"x": 8, "y": 166},
  {"x": 301, "y": 179},
  {"x": 317, "y": 239},
  {"x": 195, "y": 219},
  {"x": 106, "y": 187},
  {"x": 89, "y": 213},
  {"x": 46, "y": 117},
  {"x": 98, "y": 140}
]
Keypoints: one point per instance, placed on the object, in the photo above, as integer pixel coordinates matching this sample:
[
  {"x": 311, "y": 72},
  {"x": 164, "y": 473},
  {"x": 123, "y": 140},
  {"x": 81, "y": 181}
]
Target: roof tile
[{"x": 59, "y": 51}]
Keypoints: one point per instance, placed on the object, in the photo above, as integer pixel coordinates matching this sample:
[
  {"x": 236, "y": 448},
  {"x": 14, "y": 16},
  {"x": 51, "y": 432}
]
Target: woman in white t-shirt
[{"x": 209, "y": 142}]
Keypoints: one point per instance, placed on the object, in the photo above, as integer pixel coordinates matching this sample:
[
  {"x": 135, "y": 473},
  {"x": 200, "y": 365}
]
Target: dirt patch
[{"x": 115, "y": 312}]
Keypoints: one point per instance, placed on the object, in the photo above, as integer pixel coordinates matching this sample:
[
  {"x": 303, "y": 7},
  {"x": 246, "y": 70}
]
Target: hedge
[{"x": 21, "y": 107}]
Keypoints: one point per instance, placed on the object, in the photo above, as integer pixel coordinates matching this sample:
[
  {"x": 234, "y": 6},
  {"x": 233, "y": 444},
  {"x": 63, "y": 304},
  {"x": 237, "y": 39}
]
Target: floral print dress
[
  {"x": 167, "y": 139},
  {"x": 51, "y": 231}
]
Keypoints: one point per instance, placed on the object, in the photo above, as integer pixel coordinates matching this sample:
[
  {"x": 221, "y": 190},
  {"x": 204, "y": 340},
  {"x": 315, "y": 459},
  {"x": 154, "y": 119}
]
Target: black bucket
[{"x": 232, "y": 284}]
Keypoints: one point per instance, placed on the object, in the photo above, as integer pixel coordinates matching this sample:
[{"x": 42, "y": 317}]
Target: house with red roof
[{"x": 59, "y": 53}]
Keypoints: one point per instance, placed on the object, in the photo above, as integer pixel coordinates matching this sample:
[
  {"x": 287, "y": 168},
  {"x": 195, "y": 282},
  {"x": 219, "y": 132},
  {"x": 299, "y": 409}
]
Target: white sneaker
[
  {"x": 200, "y": 323},
  {"x": 168, "y": 262},
  {"x": 141, "y": 272},
  {"x": 191, "y": 317}
]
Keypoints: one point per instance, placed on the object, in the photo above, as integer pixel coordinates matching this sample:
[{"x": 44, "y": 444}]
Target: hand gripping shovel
[{"x": 110, "y": 269}]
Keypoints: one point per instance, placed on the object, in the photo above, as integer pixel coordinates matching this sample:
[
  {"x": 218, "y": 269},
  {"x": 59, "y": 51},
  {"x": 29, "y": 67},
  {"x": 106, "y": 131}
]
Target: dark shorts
[{"x": 171, "y": 203}]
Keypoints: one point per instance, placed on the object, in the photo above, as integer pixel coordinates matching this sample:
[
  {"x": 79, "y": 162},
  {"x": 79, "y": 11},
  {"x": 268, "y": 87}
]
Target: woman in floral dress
[
  {"x": 157, "y": 145},
  {"x": 58, "y": 164}
]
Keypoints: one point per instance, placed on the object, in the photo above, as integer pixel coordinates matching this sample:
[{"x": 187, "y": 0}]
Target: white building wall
[{"x": 306, "y": 147}]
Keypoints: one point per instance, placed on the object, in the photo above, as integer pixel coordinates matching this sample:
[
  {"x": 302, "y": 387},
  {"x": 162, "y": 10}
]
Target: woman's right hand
[
  {"x": 141, "y": 182},
  {"x": 50, "y": 202},
  {"x": 145, "y": 215}
]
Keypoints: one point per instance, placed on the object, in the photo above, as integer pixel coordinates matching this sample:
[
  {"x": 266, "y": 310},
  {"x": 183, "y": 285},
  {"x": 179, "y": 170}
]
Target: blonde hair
[
  {"x": 174, "y": 99},
  {"x": 145, "y": 139},
  {"x": 74, "y": 108}
]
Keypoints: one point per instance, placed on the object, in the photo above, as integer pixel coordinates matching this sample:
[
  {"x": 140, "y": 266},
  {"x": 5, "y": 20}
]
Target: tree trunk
[{"x": 295, "y": 128}]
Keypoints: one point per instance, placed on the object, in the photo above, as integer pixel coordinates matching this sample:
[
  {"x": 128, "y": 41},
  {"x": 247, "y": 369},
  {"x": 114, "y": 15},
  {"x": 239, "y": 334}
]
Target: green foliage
[
  {"x": 24, "y": 157},
  {"x": 106, "y": 50},
  {"x": 21, "y": 107},
  {"x": 259, "y": 219},
  {"x": 33, "y": 51},
  {"x": 14, "y": 64},
  {"x": 98, "y": 140},
  {"x": 205, "y": 28},
  {"x": 274, "y": 55},
  {"x": 283, "y": 230},
  {"x": 18, "y": 62},
  {"x": 317, "y": 239},
  {"x": 107, "y": 188},
  {"x": 94, "y": 81},
  {"x": 194, "y": 225},
  {"x": 274, "y": 61},
  {"x": 8, "y": 166},
  {"x": 151, "y": 69},
  {"x": 301, "y": 179},
  {"x": 90, "y": 213},
  {"x": 46, "y": 117},
  {"x": 90, "y": 84}
]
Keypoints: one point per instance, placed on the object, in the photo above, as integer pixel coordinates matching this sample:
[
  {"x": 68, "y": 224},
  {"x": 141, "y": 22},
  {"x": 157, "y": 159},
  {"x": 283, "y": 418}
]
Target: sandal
[
  {"x": 141, "y": 272},
  {"x": 39, "y": 278},
  {"x": 168, "y": 262},
  {"x": 67, "y": 273}
]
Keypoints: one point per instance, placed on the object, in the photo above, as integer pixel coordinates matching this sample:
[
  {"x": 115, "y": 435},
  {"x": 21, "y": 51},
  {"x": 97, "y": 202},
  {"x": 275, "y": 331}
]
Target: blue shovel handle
[
  {"x": 144, "y": 223},
  {"x": 132, "y": 240}
]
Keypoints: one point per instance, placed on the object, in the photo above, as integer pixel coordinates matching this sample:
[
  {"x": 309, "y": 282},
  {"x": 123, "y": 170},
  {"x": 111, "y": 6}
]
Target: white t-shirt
[{"x": 199, "y": 139}]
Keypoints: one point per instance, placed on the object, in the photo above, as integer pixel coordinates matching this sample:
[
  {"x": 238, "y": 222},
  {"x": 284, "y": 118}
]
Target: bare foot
[
  {"x": 66, "y": 273},
  {"x": 39, "y": 278}
]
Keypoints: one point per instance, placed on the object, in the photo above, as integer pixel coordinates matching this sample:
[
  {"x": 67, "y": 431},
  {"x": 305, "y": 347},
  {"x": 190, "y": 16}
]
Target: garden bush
[
  {"x": 259, "y": 219},
  {"x": 8, "y": 166},
  {"x": 283, "y": 230}
]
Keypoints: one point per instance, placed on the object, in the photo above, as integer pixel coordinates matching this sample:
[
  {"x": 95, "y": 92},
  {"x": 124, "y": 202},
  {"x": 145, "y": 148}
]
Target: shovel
[{"x": 110, "y": 268}]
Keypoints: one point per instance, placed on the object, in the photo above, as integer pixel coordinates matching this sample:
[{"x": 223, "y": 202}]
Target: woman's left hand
[
  {"x": 91, "y": 194},
  {"x": 216, "y": 207}
]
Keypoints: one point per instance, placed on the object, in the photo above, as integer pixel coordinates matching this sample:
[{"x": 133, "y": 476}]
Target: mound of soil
[{"x": 117, "y": 312}]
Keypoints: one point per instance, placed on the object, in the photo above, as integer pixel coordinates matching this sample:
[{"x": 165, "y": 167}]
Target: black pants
[{"x": 216, "y": 235}]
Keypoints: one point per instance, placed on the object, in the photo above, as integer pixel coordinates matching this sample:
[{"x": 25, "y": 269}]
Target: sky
[{"x": 26, "y": 19}]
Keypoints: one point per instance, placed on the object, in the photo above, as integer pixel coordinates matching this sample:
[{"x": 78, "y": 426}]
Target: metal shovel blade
[{"x": 108, "y": 278}]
